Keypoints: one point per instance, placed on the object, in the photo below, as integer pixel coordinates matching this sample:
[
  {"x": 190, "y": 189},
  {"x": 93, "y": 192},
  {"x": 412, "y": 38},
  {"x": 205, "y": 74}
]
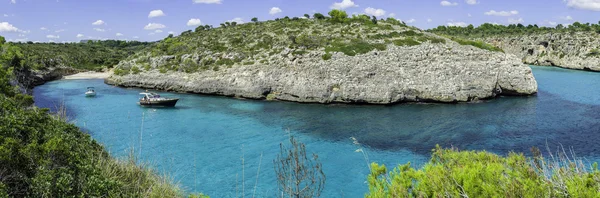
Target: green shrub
[
  {"x": 120, "y": 72},
  {"x": 248, "y": 63},
  {"x": 338, "y": 16},
  {"x": 594, "y": 53},
  {"x": 353, "y": 48},
  {"x": 163, "y": 70},
  {"x": 135, "y": 70},
  {"x": 406, "y": 42},
  {"x": 299, "y": 52},
  {"x": 326, "y": 56},
  {"x": 478, "y": 44},
  {"x": 451, "y": 173}
]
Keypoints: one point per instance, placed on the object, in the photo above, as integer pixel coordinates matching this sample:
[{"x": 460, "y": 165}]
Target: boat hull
[
  {"x": 162, "y": 103},
  {"x": 90, "y": 94}
]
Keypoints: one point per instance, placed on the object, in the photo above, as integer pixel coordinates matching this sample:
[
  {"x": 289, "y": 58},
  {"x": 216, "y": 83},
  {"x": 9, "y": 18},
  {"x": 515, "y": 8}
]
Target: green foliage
[
  {"x": 482, "y": 174},
  {"x": 254, "y": 20},
  {"x": 299, "y": 52},
  {"x": 406, "y": 42},
  {"x": 593, "y": 53},
  {"x": 488, "y": 29},
  {"x": 120, "y": 72},
  {"x": 89, "y": 56},
  {"x": 353, "y": 48},
  {"x": 135, "y": 70},
  {"x": 478, "y": 44},
  {"x": 326, "y": 56},
  {"x": 338, "y": 16},
  {"x": 318, "y": 16}
]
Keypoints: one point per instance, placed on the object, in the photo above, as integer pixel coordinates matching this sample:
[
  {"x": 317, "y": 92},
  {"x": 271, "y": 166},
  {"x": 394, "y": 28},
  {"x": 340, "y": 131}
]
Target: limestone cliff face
[
  {"x": 427, "y": 72},
  {"x": 578, "y": 50}
]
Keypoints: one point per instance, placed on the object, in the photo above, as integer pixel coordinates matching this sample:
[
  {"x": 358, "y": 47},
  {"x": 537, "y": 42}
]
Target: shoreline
[{"x": 88, "y": 75}]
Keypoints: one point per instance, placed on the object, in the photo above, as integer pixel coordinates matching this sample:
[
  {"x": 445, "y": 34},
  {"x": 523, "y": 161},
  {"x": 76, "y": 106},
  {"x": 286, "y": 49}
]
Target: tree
[
  {"x": 222, "y": 25},
  {"x": 338, "y": 16},
  {"x": 254, "y": 20},
  {"x": 318, "y": 16},
  {"x": 297, "y": 175},
  {"x": 227, "y": 24},
  {"x": 200, "y": 28},
  {"x": 233, "y": 23},
  {"x": 2, "y": 40},
  {"x": 374, "y": 20},
  {"x": 307, "y": 16}
]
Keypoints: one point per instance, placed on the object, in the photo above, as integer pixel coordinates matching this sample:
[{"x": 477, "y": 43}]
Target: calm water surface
[{"x": 204, "y": 140}]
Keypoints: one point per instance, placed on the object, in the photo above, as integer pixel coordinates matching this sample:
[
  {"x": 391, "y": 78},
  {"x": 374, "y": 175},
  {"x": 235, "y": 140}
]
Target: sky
[{"x": 151, "y": 20}]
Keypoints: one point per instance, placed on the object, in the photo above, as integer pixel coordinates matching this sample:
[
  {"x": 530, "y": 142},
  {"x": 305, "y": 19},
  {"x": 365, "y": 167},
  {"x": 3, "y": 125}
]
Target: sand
[{"x": 88, "y": 75}]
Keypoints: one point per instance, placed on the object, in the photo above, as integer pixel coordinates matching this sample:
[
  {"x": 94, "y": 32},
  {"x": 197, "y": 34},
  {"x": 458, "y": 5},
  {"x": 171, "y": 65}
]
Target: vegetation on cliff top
[
  {"x": 42, "y": 155},
  {"x": 268, "y": 42},
  {"x": 487, "y": 29},
  {"x": 89, "y": 56}
]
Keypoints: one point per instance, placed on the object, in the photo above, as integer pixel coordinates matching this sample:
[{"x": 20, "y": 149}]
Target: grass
[
  {"x": 478, "y": 44},
  {"x": 406, "y": 42},
  {"x": 353, "y": 48}
]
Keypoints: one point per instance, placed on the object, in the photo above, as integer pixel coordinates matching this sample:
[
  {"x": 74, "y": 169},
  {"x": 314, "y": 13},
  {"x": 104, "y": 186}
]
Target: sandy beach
[{"x": 89, "y": 75}]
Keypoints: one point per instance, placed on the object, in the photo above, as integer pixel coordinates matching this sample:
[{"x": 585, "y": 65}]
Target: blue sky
[{"x": 149, "y": 20}]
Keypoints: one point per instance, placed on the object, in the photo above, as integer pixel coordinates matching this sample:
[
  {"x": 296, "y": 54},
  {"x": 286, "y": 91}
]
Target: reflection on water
[{"x": 201, "y": 142}]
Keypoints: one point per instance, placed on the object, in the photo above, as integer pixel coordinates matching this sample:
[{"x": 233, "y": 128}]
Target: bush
[
  {"x": 482, "y": 174},
  {"x": 406, "y": 42},
  {"x": 353, "y": 48},
  {"x": 338, "y": 16},
  {"x": 326, "y": 56},
  {"x": 318, "y": 16},
  {"x": 120, "y": 72}
]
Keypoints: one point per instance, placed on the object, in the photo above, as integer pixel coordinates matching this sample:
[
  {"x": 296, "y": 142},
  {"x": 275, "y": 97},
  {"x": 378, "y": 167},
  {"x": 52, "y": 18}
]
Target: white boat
[
  {"x": 153, "y": 99},
  {"x": 90, "y": 92}
]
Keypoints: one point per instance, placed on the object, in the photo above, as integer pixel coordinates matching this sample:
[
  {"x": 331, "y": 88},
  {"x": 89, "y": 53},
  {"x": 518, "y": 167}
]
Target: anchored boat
[
  {"x": 153, "y": 99},
  {"x": 90, "y": 92}
]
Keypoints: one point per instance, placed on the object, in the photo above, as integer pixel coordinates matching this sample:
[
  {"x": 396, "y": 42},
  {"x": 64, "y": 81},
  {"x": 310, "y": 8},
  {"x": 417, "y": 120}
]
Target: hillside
[
  {"x": 326, "y": 59},
  {"x": 576, "y": 46}
]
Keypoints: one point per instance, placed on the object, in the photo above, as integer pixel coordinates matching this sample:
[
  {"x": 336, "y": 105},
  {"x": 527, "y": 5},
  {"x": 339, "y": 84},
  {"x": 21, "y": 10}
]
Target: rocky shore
[
  {"x": 428, "y": 72},
  {"x": 576, "y": 50}
]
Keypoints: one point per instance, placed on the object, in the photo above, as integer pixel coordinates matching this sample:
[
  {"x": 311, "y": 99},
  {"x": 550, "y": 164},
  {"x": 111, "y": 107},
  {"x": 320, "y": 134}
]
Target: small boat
[
  {"x": 90, "y": 92},
  {"x": 153, "y": 99}
]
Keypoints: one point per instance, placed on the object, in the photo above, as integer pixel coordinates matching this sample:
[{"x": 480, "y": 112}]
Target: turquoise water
[{"x": 214, "y": 144}]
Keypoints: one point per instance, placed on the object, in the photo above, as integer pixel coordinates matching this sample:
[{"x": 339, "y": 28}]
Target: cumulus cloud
[
  {"x": 208, "y": 1},
  {"x": 568, "y": 18},
  {"x": 410, "y": 21},
  {"x": 171, "y": 32},
  {"x": 194, "y": 22},
  {"x": 100, "y": 29},
  {"x": 80, "y": 36},
  {"x": 119, "y": 34},
  {"x": 156, "y": 13},
  {"x": 513, "y": 21},
  {"x": 13, "y": 1},
  {"x": 5, "y": 15},
  {"x": 593, "y": 5},
  {"x": 98, "y": 22},
  {"x": 448, "y": 3},
  {"x": 459, "y": 24},
  {"x": 429, "y": 20},
  {"x": 7, "y": 27},
  {"x": 153, "y": 26},
  {"x": 392, "y": 15},
  {"x": 471, "y": 2},
  {"x": 343, "y": 5},
  {"x": 375, "y": 12},
  {"x": 43, "y": 28},
  {"x": 136, "y": 37},
  {"x": 501, "y": 13},
  {"x": 238, "y": 20},
  {"x": 58, "y": 31},
  {"x": 52, "y": 36},
  {"x": 275, "y": 10}
]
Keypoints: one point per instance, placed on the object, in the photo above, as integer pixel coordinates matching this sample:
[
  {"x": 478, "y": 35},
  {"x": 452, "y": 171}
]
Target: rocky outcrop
[
  {"x": 577, "y": 50},
  {"x": 428, "y": 72},
  {"x": 27, "y": 79}
]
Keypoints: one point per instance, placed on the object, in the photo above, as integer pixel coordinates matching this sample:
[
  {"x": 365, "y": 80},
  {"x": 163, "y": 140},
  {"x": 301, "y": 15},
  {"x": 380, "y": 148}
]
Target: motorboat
[
  {"x": 90, "y": 92},
  {"x": 154, "y": 99}
]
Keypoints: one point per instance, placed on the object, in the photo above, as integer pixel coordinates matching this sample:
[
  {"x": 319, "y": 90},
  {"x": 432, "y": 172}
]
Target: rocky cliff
[
  {"x": 576, "y": 50},
  {"x": 383, "y": 64}
]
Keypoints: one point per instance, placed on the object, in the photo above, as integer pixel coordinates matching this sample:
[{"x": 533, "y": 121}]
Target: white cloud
[
  {"x": 153, "y": 26},
  {"x": 7, "y": 27},
  {"x": 410, "y": 21},
  {"x": 447, "y": 3},
  {"x": 429, "y": 20},
  {"x": 52, "y": 36},
  {"x": 343, "y": 5},
  {"x": 275, "y": 10},
  {"x": 118, "y": 34},
  {"x": 100, "y": 29},
  {"x": 13, "y": 1},
  {"x": 21, "y": 35},
  {"x": 392, "y": 15},
  {"x": 513, "y": 21},
  {"x": 471, "y": 2},
  {"x": 194, "y": 22},
  {"x": 5, "y": 15},
  {"x": 98, "y": 22},
  {"x": 158, "y": 31},
  {"x": 593, "y": 5},
  {"x": 136, "y": 37},
  {"x": 568, "y": 18},
  {"x": 43, "y": 28},
  {"x": 156, "y": 13},
  {"x": 208, "y": 1},
  {"x": 238, "y": 20},
  {"x": 58, "y": 31},
  {"x": 501, "y": 13},
  {"x": 469, "y": 15},
  {"x": 375, "y": 12},
  {"x": 171, "y": 32},
  {"x": 552, "y": 23},
  {"x": 459, "y": 24},
  {"x": 79, "y": 35}
]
